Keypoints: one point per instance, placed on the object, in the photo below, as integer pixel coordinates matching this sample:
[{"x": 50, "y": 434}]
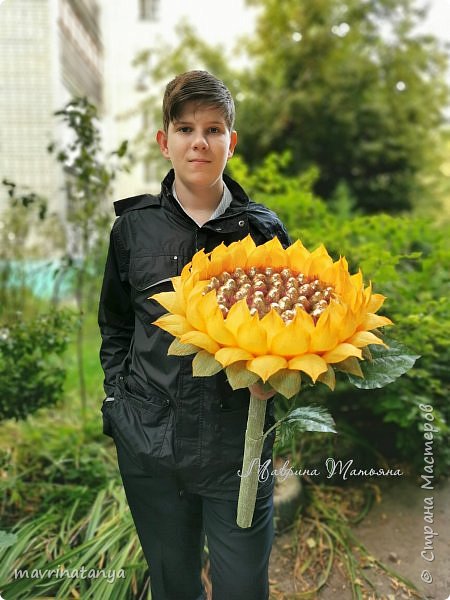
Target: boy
[{"x": 180, "y": 439}]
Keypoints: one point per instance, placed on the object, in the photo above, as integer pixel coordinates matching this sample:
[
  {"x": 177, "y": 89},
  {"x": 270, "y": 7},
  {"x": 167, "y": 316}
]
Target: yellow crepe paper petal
[
  {"x": 323, "y": 338},
  {"x": 297, "y": 255},
  {"x": 364, "y": 338},
  {"x": 228, "y": 356},
  {"x": 372, "y": 321},
  {"x": 258, "y": 257},
  {"x": 272, "y": 324},
  {"x": 276, "y": 256},
  {"x": 318, "y": 261},
  {"x": 200, "y": 339},
  {"x": 169, "y": 301},
  {"x": 291, "y": 340},
  {"x": 252, "y": 337},
  {"x": 311, "y": 364},
  {"x": 200, "y": 264},
  {"x": 178, "y": 287},
  {"x": 174, "y": 324},
  {"x": 376, "y": 302},
  {"x": 265, "y": 366},
  {"x": 238, "y": 315},
  {"x": 215, "y": 326},
  {"x": 341, "y": 352},
  {"x": 193, "y": 307}
]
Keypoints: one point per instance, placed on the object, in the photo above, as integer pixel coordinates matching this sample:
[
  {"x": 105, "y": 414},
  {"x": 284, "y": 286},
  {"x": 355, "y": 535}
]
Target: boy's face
[{"x": 198, "y": 144}]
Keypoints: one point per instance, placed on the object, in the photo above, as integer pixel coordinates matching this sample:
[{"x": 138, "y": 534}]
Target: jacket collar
[
  {"x": 165, "y": 198},
  {"x": 240, "y": 198}
]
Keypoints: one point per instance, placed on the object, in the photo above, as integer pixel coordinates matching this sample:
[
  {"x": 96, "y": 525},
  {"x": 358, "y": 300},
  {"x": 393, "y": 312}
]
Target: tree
[
  {"x": 89, "y": 178},
  {"x": 350, "y": 88}
]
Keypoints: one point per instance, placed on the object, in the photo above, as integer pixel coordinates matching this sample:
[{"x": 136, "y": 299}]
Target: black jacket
[{"x": 167, "y": 418}]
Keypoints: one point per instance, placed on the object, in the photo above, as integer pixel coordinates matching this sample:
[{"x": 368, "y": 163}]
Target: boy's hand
[{"x": 260, "y": 392}]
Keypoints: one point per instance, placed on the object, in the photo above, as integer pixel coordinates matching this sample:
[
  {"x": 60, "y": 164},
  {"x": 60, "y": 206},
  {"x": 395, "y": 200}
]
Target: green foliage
[
  {"x": 291, "y": 196},
  {"x": 303, "y": 418},
  {"x": 89, "y": 178},
  {"x": 31, "y": 372},
  {"x": 7, "y": 539},
  {"x": 25, "y": 231},
  {"x": 102, "y": 543},
  {"x": 384, "y": 366},
  {"x": 55, "y": 462},
  {"x": 353, "y": 89},
  {"x": 405, "y": 258}
]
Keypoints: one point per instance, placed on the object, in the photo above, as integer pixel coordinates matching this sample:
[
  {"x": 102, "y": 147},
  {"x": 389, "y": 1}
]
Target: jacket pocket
[
  {"x": 231, "y": 425},
  {"x": 230, "y": 429},
  {"x": 107, "y": 429},
  {"x": 144, "y": 427},
  {"x": 151, "y": 274},
  {"x": 150, "y": 271}
]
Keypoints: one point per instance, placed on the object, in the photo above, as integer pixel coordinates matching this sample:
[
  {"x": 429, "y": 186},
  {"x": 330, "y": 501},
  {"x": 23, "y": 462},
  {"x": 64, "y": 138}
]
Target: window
[{"x": 148, "y": 10}]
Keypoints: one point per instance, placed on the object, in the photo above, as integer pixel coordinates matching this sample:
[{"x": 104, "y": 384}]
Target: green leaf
[
  {"x": 204, "y": 364},
  {"x": 328, "y": 378},
  {"x": 349, "y": 365},
  {"x": 386, "y": 365},
  {"x": 305, "y": 418},
  {"x": 286, "y": 382},
  {"x": 176, "y": 348},
  {"x": 311, "y": 418},
  {"x": 7, "y": 539},
  {"x": 239, "y": 377}
]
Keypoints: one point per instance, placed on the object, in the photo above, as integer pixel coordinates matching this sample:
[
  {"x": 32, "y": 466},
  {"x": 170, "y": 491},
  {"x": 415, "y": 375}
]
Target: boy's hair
[{"x": 197, "y": 86}]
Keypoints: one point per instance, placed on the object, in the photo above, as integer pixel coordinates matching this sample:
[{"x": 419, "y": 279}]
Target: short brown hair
[{"x": 198, "y": 86}]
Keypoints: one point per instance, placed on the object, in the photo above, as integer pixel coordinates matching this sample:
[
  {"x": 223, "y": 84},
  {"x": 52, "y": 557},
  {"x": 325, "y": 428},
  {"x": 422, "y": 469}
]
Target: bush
[
  {"x": 51, "y": 461},
  {"x": 31, "y": 372},
  {"x": 407, "y": 258}
]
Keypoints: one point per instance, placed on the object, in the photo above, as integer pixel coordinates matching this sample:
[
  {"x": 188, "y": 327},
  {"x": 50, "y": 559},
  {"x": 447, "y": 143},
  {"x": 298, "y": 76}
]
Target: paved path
[{"x": 394, "y": 533}]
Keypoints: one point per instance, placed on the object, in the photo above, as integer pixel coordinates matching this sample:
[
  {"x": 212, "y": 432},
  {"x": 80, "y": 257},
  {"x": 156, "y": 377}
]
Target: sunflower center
[{"x": 281, "y": 289}]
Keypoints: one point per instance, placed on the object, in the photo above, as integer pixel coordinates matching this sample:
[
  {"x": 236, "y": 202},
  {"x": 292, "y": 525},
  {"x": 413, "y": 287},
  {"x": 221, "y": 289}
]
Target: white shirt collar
[{"x": 224, "y": 203}]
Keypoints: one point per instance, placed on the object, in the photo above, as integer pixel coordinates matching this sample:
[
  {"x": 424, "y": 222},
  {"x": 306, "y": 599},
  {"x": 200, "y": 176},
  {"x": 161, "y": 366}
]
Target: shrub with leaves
[
  {"x": 31, "y": 371},
  {"x": 407, "y": 256}
]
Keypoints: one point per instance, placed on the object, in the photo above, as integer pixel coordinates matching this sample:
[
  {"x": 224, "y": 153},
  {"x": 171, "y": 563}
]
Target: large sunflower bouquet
[{"x": 277, "y": 316}]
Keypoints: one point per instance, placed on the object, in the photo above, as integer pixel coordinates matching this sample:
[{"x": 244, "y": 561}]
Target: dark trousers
[{"x": 171, "y": 525}]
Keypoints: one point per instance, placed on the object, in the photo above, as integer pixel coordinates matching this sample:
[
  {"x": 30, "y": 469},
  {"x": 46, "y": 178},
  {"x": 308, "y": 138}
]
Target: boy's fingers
[{"x": 258, "y": 391}]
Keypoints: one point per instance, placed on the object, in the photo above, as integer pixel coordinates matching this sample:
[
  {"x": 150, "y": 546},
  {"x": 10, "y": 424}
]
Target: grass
[
  {"x": 102, "y": 544},
  {"x": 93, "y": 370}
]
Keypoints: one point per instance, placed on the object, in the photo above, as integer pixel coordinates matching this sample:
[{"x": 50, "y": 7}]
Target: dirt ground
[{"x": 394, "y": 532}]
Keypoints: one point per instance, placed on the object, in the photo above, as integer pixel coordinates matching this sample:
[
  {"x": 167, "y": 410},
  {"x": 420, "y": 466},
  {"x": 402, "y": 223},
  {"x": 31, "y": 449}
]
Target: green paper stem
[{"x": 252, "y": 458}]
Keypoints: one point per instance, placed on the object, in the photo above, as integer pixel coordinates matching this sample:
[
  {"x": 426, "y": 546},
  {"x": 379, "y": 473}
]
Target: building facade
[
  {"x": 130, "y": 27},
  {"x": 50, "y": 51}
]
